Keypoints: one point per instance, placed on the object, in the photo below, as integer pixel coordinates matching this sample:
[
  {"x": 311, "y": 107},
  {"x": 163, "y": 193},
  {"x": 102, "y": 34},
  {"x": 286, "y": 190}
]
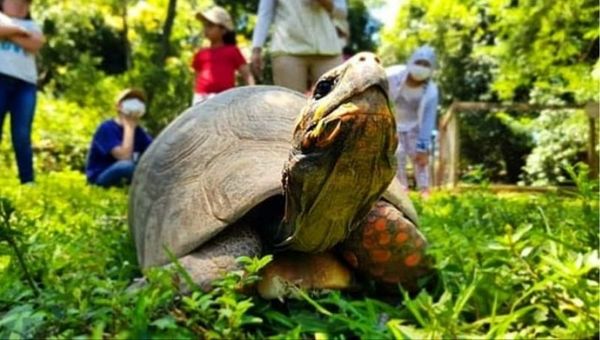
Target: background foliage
[
  {"x": 97, "y": 48},
  {"x": 488, "y": 50},
  {"x": 538, "y": 52},
  {"x": 523, "y": 266}
]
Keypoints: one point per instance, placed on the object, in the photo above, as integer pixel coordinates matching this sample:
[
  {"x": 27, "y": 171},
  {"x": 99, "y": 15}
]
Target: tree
[
  {"x": 165, "y": 44},
  {"x": 556, "y": 48},
  {"x": 542, "y": 52},
  {"x": 362, "y": 27}
]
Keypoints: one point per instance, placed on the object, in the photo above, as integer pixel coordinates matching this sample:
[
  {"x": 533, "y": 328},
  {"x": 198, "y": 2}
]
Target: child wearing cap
[
  {"x": 216, "y": 65},
  {"x": 118, "y": 143}
]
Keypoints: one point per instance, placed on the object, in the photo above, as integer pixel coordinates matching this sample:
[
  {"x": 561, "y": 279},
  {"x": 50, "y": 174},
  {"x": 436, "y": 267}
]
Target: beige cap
[
  {"x": 131, "y": 93},
  {"x": 217, "y": 15}
]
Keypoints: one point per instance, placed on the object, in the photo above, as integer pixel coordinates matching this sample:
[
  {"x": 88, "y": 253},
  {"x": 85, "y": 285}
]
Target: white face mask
[
  {"x": 418, "y": 72},
  {"x": 133, "y": 107}
]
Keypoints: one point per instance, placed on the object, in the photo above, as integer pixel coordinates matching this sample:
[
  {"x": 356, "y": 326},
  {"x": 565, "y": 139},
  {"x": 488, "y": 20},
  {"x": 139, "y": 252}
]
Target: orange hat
[{"x": 217, "y": 15}]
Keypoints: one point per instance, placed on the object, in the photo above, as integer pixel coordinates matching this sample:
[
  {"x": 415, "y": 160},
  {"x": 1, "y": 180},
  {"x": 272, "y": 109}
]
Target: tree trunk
[
  {"x": 166, "y": 33},
  {"x": 126, "y": 42}
]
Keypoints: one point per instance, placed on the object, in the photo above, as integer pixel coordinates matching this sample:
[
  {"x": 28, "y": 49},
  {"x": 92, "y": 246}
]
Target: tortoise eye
[{"x": 323, "y": 88}]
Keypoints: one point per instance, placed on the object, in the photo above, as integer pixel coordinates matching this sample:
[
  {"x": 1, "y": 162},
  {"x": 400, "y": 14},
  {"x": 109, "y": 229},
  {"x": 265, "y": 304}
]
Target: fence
[{"x": 446, "y": 168}]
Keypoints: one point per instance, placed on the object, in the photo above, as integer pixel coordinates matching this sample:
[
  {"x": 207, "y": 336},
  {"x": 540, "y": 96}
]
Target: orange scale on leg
[
  {"x": 380, "y": 255},
  {"x": 412, "y": 260},
  {"x": 384, "y": 238},
  {"x": 380, "y": 224},
  {"x": 401, "y": 238},
  {"x": 368, "y": 243}
]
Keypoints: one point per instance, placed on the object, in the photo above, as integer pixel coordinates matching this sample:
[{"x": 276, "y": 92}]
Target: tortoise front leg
[
  {"x": 290, "y": 271},
  {"x": 388, "y": 248},
  {"x": 217, "y": 257}
]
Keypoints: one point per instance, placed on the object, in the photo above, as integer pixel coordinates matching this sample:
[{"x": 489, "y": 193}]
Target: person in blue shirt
[
  {"x": 118, "y": 143},
  {"x": 415, "y": 96}
]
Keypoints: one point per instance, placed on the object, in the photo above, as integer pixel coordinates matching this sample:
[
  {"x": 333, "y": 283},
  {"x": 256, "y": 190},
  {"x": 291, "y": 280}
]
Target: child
[
  {"x": 118, "y": 143},
  {"x": 216, "y": 65},
  {"x": 415, "y": 98},
  {"x": 20, "y": 39}
]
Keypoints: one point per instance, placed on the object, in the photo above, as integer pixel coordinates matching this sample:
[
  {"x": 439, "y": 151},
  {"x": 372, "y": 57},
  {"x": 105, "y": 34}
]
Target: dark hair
[{"x": 229, "y": 38}]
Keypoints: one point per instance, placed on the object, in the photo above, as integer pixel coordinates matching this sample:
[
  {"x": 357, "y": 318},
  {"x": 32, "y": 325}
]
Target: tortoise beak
[
  {"x": 371, "y": 102},
  {"x": 357, "y": 75}
]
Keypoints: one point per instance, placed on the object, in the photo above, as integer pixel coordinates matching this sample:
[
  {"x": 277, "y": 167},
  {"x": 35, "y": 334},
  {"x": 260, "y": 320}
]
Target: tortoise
[{"x": 263, "y": 169}]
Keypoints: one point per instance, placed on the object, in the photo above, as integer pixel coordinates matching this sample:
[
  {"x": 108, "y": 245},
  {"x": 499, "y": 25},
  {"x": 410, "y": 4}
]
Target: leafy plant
[
  {"x": 510, "y": 266},
  {"x": 9, "y": 235},
  {"x": 508, "y": 51}
]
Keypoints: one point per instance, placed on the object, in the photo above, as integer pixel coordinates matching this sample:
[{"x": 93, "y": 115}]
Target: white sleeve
[
  {"x": 340, "y": 9},
  {"x": 32, "y": 26},
  {"x": 266, "y": 11},
  {"x": 394, "y": 75}
]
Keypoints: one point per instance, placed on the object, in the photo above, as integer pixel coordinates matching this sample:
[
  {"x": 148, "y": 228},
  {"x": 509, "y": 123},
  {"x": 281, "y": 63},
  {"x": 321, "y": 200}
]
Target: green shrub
[
  {"x": 511, "y": 266},
  {"x": 561, "y": 139}
]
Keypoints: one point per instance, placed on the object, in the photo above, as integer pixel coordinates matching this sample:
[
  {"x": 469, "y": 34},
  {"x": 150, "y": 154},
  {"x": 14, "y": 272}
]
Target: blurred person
[
  {"x": 20, "y": 39},
  {"x": 342, "y": 28},
  {"x": 415, "y": 96},
  {"x": 304, "y": 42},
  {"x": 118, "y": 143},
  {"x": 216, "y": 65}
]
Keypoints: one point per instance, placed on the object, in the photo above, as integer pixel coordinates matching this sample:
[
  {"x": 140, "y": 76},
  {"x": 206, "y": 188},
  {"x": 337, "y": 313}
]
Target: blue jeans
[
  {"x": 19, "y": 97},
  {"x": 117, "y": 174}
]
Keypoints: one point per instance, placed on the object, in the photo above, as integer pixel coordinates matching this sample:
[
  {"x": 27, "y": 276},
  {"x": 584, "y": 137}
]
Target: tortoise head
[{"x": 342, "y": 156}]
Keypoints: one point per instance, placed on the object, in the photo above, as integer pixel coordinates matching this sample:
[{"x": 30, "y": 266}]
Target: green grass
[{"x": 523, "y": 266}]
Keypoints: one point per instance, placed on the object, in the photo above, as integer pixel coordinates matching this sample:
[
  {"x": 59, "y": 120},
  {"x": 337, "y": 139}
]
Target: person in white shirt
[
  {"x": 304, "y": 41},
  {"x": 415, "y": 96},
  {"x": 20, "y": 39}
]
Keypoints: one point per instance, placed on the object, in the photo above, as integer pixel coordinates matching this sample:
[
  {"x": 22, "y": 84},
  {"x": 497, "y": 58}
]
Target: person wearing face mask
[
  {"x": 118, "y": 143},
  {"x": 415, "y": 96}
]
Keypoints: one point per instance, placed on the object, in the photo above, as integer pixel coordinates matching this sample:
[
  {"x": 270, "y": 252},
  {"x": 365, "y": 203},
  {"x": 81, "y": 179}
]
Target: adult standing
[
  {"x": 20, "y": 39},
  {"x": 304, "y": 42},
  {"x": 415, "y": 98}
]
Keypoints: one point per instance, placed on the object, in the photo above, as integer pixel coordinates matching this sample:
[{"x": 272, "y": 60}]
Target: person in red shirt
[{"x": 216, "y": 65}]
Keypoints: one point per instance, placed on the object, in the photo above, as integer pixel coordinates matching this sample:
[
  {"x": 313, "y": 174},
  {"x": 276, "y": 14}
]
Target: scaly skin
[
  {"x": 342, "y": 156},
  {"x": 388, "y": 248}
]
